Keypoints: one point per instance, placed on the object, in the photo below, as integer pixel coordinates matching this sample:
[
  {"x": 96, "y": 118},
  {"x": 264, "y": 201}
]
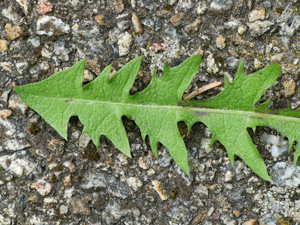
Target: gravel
[{"x": 44, "y": 178}]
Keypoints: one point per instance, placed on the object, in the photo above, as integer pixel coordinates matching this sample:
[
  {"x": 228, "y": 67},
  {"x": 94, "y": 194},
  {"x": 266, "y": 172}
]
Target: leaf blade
[{"x": 101, "y": 104}]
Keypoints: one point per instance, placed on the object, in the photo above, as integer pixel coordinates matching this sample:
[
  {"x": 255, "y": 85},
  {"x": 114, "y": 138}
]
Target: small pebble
[
  {"x": 3, "y": 46},
  {"x": 158, "y": 188},
  {"x": 123, "y": 159},
  {"x": 118, "y": 5},
  {"x": 95, "y": 179},
  {"x": 151, "y": 172},
  {"x": 51, "y": 25},
  {"x": 221, "y": 42},
  {"x": 163, "y": 13},
  {"x": 22, "y": 201},
  {"x": 87, "y": 76},
  {"x": 7, "y": 66},
  {"x": 134, "y": 183},
  {"x": 34, "y": 41},
  {"x": 63, "y": 209},
  {"x": 233, "y": 62},
  {"x": 61, "y": 51},
  {"x": 21, "y": 67},
  {"x": 257, "y": 14},
  {"x": 113, "y": 212},
  {"x": 258, "y": 28},
  {"x": 236, "y": 213},
  {"x": 287, "y": 30},
  {"x": 99, "y": 19},
  {"x": 12, "y": 32},
  {"x": 49, "y": 200},
  {"x": 33, "y": 198},
  {"x": 287, "y": 14},
  {"x": 67, "y": 181},
  {"x": 124, "y": 43},
  {"x": 199, "y": 51},
  {"x": 84, "y": 140},
  {"x": 238, "y": 170},
  {"x": 250, "y": 222},
  {"x": 165, "y": 159},
  {"x": 228, "y": 176},
  {"x": 157, "y": 47},
  {"x": 192, "y": 27},
  {"x": 24, "y": 4},
  {"x": 200, "y": 217},
  {"x": 242, "y": 29},
  {"x": 136, "y": 23},
  {"x": 78, "y": 207},
  {"x": 14, "y": 144},
  {"x": 232, "y": 24},
  {"x": 93, "y": 66},
  {"x": 5, "y": 113},
  {"x": 210, "y": 211},
  {"x": 136, "y": 212},
  {"x": 57, "y": 146},
  {"x": 296, "y": 217},
  {"x": 11, "y": 14},
  {"x": 180, "y": 214},
  {"x": 44, "y": 6},
  {"x": 216, "y": 216},
  {"x": 277, "y": 58},
  {"x": 74, "y": 2},
  {"x": 289, "y": 87},
  {"x": 249, "y": 3},
  {"x": 143, "y": 163},
  {"x": 176, "y": 19},
  {"x": 52, "y": 165},
  {"x": 45, "y": 53},
  {"x": 211, "y": 65},
  {"x": 201, "y": 8},
  {"x": 42, "y": 187},
  {"x": 220, "y": 5},
  {"x": 202, "y": 190}
]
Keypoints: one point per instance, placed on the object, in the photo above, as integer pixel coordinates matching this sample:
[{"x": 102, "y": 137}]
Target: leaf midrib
[{"x": 251, "y": 114}]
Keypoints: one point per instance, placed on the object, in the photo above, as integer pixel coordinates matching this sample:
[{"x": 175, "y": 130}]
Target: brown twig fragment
[{"x": 201, "y": 90}]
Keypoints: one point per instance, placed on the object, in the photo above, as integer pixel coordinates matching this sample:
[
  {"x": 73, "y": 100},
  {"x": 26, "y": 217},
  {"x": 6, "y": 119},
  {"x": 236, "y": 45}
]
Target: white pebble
[
  {"x": 50, "y": 200},
  {"x": 211, "y": 65},
  {"x": 42, "y": 187},
  {"x": 134, "y": 183},
  {"x": 63, "y": 209},
  {"x": 257, "y": 14},
  {"x": 87, "y": 76},
  {"x": 143, "y": 163},
  {"x": 124, "y": 43},
  {"x": 228, "y": 176},
  {"x": 221, "y": 42},
  {"x": 151, "y": 172},
  {"x": 45, "y": 53},
  {"x": 242, "y": 29}
]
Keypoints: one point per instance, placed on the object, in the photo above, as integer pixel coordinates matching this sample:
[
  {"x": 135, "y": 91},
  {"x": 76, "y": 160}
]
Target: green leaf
[{"x": 156, "y": 110}]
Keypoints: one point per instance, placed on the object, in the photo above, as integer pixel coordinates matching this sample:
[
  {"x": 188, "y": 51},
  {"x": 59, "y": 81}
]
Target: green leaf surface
[{"x": 156, "y": 110}]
